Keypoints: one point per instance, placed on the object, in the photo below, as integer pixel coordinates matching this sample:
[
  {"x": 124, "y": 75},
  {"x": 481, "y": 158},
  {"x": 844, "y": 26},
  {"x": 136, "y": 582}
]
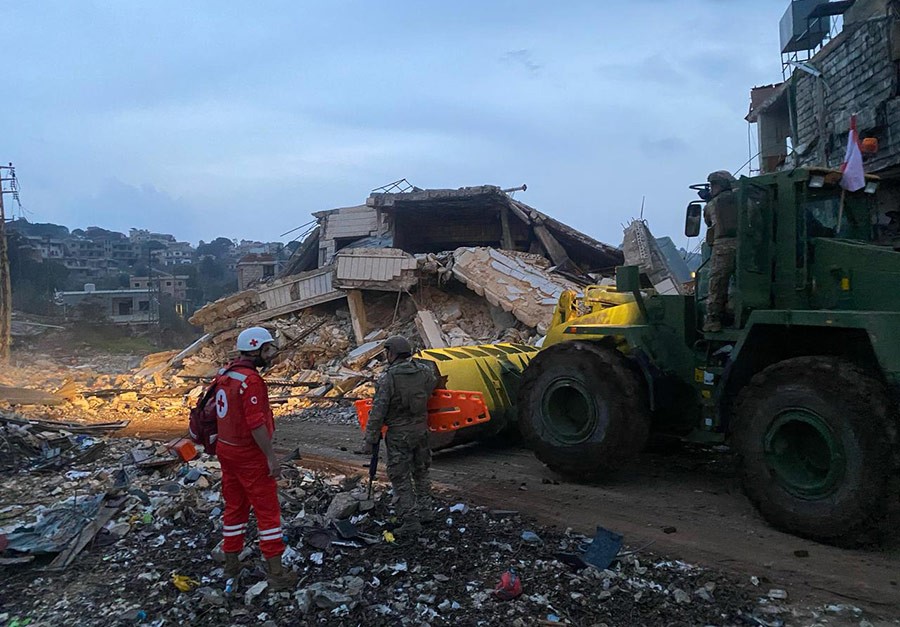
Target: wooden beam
[
  {"x": 358, "y": 316},
  {"x": 554, "y": 248}
]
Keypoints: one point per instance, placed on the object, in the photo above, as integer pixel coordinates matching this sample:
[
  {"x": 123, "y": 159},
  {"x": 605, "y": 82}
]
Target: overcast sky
[{"x": 239, "y": 119}]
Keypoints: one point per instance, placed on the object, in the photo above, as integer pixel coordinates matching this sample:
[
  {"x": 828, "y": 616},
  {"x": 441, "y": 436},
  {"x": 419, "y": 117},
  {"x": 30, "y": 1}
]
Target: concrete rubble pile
[
  {"x": 138, "y": 520},
  {"x": 445, "y": 268}
]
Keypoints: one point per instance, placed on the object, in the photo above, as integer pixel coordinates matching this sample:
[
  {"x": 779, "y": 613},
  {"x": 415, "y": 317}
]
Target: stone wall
[{"x": 859, "y": 75}]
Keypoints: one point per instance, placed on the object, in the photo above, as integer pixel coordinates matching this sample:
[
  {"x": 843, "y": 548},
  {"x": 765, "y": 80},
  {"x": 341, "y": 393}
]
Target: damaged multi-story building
[
  {"x": 511, "y": 255},
  {"x": 839, "y": 59}
]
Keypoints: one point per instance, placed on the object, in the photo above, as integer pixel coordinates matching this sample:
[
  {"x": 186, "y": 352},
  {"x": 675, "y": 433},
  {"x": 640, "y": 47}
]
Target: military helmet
[
  {"x": 722, "y": 177},
  {"x": 398, "y": 345}
]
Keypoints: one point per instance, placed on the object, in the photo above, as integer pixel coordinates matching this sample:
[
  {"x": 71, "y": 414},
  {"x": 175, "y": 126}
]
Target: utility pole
[{"x": 5, "y": 285}]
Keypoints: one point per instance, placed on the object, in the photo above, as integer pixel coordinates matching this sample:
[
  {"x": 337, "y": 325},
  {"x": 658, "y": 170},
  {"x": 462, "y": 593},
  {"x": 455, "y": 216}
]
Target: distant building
[
  {"x": 50, "y": 248},
  {"x": 174, "y": 254},
  {"x": 140, "y": 236},
  {"x": 173, "y": 286},
  {"x": 256, "y": 267},
  {"x": 131, "y": 306}
]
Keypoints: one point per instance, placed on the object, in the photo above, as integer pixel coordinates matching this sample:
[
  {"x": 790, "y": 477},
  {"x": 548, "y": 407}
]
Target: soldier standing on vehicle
[
  {"x": 401, "y": 399},
  {"x": 721, "y": 234}
]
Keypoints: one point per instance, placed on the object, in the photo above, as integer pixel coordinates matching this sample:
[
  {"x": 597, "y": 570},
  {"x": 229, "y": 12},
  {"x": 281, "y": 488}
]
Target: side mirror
[{"x": 692, "y": 219}]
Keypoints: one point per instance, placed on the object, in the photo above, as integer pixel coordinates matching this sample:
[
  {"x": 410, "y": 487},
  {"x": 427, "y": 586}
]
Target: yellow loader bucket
[{"x": 492, "y": 369}]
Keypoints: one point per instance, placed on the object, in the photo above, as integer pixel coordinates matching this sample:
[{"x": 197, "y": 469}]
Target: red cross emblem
[
  {"x": 221, "y": 403},
  {"x": 253, "y": 342}
]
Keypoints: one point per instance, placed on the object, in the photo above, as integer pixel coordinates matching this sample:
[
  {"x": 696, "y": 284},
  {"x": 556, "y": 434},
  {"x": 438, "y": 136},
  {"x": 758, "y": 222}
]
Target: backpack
[{"x": 203, "y": 425}]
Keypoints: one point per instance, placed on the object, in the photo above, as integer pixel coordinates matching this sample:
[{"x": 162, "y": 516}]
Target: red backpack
[{"x": 203, "y": 425}]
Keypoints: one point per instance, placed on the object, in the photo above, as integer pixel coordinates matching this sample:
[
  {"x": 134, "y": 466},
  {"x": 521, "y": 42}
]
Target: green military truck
[{"x": 803, "y": 381}]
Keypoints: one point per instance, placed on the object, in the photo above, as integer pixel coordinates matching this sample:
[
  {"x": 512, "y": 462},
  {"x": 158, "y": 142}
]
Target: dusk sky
[{"x": 240, "y": 119}]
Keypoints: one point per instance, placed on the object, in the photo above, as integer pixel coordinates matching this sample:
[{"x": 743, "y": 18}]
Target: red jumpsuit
[{"x": 242, "y": 404}]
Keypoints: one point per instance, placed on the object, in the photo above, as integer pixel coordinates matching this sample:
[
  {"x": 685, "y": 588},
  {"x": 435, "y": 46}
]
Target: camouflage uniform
[
  {"x": 401, "y": 399},
  {"x": 721, "y": 235}
]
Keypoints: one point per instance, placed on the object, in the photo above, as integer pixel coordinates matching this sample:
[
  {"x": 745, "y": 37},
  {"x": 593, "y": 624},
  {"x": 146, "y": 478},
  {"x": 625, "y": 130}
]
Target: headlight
[
  {"x": 871, "y": 187},
  {"x": 817, "y": 180}
]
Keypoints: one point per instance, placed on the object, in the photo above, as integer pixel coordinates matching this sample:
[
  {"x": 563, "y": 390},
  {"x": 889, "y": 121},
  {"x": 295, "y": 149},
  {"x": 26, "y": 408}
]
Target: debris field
[{"x": 84, "y": 514}]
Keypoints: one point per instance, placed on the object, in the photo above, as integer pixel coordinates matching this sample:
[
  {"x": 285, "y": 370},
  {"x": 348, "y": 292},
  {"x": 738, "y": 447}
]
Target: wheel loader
[{"x": 802, "y": 381}]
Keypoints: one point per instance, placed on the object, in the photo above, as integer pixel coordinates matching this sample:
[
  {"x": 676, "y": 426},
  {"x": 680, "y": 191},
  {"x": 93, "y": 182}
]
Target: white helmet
[{"x": 252, "y": 339}]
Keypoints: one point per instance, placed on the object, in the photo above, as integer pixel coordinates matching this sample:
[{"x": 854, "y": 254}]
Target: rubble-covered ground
[
  {"x": 319, "y": 368},
  {"x": 155, "y": 561}
]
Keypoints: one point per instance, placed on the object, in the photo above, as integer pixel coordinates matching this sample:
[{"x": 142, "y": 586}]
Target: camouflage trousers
[
  {"x": 720, "y": 272},
  {"x": 408, "y": 462}
]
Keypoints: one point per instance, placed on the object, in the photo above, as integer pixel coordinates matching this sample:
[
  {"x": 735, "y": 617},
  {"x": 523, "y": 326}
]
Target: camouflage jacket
[
  {"x": 401, "y": 398},
  {"x": 721, "y": 216}
]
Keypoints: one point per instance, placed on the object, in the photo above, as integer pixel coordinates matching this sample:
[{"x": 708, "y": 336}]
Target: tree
[
  {"x": 33, "y": 283},
  {"x": 218, "y": 248}
]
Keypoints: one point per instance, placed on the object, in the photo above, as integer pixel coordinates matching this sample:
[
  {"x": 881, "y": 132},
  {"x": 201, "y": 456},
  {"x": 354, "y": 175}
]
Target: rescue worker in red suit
[{"x": 249, "y": 466}]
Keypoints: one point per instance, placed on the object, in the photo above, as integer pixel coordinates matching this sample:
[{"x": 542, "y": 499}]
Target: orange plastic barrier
[{"x": 448, "y": 410}]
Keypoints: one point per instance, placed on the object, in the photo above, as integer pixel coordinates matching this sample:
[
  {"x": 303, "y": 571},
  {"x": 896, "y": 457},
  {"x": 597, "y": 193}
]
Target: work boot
[
  {"x": 713, "y": 325},
  {"x": 279, "y": 578},
  {"x": 232, "y": 565},
  {"x": 408, "y": 529}
]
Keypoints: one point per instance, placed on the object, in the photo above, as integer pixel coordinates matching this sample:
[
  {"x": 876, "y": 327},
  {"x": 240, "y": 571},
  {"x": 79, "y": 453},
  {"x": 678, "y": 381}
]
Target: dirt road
[{"x": 693, "y": 491}]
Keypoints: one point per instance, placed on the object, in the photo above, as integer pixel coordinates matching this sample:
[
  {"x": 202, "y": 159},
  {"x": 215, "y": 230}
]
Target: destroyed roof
[
  {"x": 443, "y": 219},
  {"x": 256, "y": 258}
]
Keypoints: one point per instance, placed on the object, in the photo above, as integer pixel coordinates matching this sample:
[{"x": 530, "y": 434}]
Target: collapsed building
[{"x": 446, "y": 267}]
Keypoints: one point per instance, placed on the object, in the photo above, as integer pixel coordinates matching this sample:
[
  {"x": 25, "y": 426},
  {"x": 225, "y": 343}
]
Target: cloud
[
  {"x": 523, "y": 58},
  {"x": 120, "y": 206},
  {"x": 664, "y": 147}
]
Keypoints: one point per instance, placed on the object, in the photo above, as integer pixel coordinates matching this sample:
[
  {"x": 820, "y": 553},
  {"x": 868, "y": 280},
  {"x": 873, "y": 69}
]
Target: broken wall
[{"x": 859, "y": 76}]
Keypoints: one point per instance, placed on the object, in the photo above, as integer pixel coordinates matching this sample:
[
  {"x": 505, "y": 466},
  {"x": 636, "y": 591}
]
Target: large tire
[
  {"x": 583, "y": 409},
  {"x": 815, "y": 438}
]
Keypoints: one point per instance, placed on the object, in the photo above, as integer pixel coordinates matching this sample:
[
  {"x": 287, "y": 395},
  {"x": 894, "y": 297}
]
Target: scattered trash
[
  {"x": 510, "y": 586},
  {"x": 531, "y": 537},
  {"x": 156, "y": 526},
  {"x": 603, "y": 549},
  {"x": 777, "y": 594},
  {"x": 184, "y": 583},
  {"x": 254, "y": 591}
]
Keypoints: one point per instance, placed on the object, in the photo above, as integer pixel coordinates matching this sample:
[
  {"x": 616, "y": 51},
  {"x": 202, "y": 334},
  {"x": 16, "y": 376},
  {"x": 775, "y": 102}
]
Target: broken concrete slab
[
  {"x": 385, "y": 269},
  {"x": 429, "y": 330},
  {"x": 343, "y": 505},
  {"x": 361, "y": 355},
  {"x": 518, "y": 283},
  {"x": 27, "y": 396}
]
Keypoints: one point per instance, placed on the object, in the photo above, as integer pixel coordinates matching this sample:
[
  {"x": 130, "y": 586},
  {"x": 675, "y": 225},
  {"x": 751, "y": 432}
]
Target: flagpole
[{"x": 840, "y": 212}]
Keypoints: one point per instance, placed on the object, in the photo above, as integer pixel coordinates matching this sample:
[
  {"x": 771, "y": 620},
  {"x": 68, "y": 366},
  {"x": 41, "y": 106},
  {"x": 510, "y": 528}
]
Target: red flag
[{"x": 854, "y": 177}]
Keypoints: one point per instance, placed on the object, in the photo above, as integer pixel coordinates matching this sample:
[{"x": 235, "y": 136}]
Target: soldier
[
  {"x": 401, "y": 399},
  {"x": 721, "y": 234}
]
